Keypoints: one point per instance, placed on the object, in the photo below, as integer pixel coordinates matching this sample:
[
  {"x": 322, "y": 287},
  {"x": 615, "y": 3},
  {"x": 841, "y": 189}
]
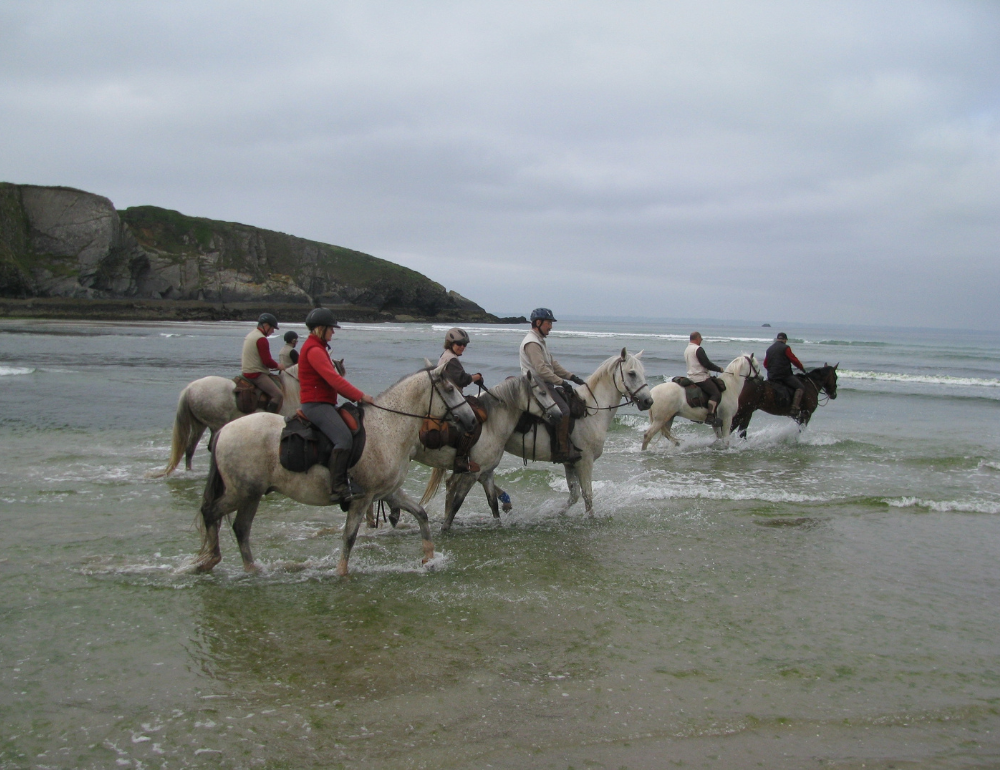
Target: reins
[
  {"x": 449, "y": 412},
  {"x": 630, "y": 400}
]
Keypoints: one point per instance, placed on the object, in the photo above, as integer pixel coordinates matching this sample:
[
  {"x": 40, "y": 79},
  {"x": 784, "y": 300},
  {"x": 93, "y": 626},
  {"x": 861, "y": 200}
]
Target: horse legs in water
[
  {"x": 241, "y": 527},
  {"x": 579, "y": 476},
  {"x": 219, "y": 501},
  {"x": 456, "y": 488},
  {"x": 197, "y": 431},
  {"x": 397, "y": 500},
  {"x": 659, "y": 426},
  {"x": 573, "y": 481}
]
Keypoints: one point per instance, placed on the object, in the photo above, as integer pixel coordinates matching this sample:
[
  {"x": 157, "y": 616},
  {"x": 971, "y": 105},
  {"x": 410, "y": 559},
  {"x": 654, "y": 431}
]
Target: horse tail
[
  {"x": 432, "y": 485},
  {"x": 215, "y": 488},
  {"x": 184, "y": 421}
]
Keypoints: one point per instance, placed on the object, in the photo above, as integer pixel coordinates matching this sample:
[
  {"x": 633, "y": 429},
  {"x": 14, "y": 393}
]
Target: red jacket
[{"x": 318, "y": 380}]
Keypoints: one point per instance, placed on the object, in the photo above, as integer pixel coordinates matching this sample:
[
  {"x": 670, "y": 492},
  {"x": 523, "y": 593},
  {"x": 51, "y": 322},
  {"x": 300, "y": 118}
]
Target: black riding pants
[
  {"x": 327, "y": 419},
  {"x": 789, "y": 381},
  {"x": 711, "y": 389}
]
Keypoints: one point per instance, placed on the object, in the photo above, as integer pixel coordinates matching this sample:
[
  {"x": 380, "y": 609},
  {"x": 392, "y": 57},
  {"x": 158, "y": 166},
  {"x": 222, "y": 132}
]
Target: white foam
[
  {"x": 988, "y": 464},
  {"x": 925, "y": 379},
  {"x": 13, "y": 371},
  {"x": 943, "y": 506}
]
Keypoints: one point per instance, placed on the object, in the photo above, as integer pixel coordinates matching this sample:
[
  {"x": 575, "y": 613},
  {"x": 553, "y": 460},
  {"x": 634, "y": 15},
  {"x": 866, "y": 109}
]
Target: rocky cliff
[{"x": 59, "y": 244}]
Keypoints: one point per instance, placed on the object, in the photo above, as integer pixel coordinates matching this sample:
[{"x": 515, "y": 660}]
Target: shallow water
[{"x": 823, "y": 598}]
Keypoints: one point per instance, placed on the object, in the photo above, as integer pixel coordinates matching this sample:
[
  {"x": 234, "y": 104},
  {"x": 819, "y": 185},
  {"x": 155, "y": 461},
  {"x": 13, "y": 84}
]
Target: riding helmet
[
  {"x": 321, "y": 316},
  {"x": 291, "y": 337},
  {"x": 267, "y": 318},
  {"x": 456, "y": 336},
  {"x": 542, "y": 314}
]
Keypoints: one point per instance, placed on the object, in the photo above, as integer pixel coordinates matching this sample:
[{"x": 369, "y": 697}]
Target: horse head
[
  {"x": 633, "y": 380},
  {"x": 455, "y": 408},
  {"x": 745, "y": 366},
  {"x": 539, "y": 401},
  {"x": 829, "y": 381}
]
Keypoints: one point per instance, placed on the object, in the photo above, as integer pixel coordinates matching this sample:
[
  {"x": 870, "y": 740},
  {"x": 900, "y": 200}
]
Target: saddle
[
  {"x": 303, "y": 446},
  {"x": 436, "y": 433},
  {"x": 249, "y": 398},
  {"x": 782, "y": 393},
  {"x": 696, "y": 397}
]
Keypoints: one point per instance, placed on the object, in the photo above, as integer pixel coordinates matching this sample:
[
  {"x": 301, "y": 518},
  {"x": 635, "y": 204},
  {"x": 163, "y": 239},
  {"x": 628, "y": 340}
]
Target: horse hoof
[
  {"x": 206, "y": 565},
  {"x": 251, "y": 568},
  {"x": 342, "y": 569}
]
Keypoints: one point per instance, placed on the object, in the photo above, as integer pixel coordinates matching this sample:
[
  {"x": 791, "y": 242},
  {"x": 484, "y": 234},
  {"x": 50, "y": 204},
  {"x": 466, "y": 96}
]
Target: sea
[{"x": 826, "y": 597}]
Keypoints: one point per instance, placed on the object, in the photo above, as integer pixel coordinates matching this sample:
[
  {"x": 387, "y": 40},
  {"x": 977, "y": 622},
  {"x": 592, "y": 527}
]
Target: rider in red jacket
[{"x": 320, "y": 385}]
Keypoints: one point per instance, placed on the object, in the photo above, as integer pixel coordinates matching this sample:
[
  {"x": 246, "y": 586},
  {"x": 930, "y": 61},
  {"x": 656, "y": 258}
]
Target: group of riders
[
  {"x": 321, "y": 384},
  {"x": 778, "y": 362}
]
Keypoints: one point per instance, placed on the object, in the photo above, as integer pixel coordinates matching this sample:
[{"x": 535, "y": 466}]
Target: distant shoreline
[{"x": 62, "y": 308}]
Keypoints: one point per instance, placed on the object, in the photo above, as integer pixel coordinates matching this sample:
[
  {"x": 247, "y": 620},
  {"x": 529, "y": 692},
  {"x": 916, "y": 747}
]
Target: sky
[{"x": 820, "y": 162}]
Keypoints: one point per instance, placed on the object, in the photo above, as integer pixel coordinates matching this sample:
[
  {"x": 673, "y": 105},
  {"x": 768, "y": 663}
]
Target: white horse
[
  {"x": 245, "y": 465},
  {"x": 210, "y": 403},
  {"x": 619, "y": 377},
  {"x": 504, "y": 405},
  {"x": 669, "y": 400}
]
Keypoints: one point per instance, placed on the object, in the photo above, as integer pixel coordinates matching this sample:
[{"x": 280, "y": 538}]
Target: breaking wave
[
  {"x": 943, "y": 506},
  {"x": 925, "y": 379},
  {"x": 13, "y": 371}
]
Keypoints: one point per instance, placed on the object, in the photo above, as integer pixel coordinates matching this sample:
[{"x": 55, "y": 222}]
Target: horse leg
[
  {"x": 241, "y": 528},
  {"x": 493, "y": 492},
  {"x": 654, "y": 427},
  {"x": 354, "y": 515},
  {"x": 407, "y": 503},
  {"x": 197, "y": 431},
  {"x": 666, "y": 431},
  {"x": 458, "y": 487},
  {"x": 584, "y": 473},
  {"x": 215, "y": 505},
  {"x": 573, "y": 481}
]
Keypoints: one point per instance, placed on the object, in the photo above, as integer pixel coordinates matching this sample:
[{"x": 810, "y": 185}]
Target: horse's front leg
[
  {"x": 354, "y": 516},
  {"x": 585, "y": 474},
  {"x": 196, "y": 433},
  {"x": 573, "y": 481},
  {"x": 400, "y": 499}
]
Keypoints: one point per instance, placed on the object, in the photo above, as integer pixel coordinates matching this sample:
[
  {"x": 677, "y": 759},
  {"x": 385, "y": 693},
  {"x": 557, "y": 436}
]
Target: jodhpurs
[
  {"x": 266, "y": 384},
  {"x": 327, "y": 419},
  {"x": 710, "y": 389}
]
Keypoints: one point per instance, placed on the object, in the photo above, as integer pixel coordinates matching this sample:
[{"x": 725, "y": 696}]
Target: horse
[
  {"x": 621, "y": 376},
  {"x": 669, "y": 400},
  {"x": 210, "y": 403},
  {"x": 504, "y": 405},
  {"x": 760, "y": 394},
  {"x": 245, "y": 465}
]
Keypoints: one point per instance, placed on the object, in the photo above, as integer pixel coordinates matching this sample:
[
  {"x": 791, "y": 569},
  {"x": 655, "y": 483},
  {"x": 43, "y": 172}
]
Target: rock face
[{"x": 56, "y": 242}]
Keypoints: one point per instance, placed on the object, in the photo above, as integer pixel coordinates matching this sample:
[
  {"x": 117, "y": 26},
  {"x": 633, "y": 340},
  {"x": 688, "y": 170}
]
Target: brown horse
[{"x": 758, "y": 393}]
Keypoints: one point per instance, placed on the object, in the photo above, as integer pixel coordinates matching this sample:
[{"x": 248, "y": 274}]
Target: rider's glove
[{"x": 578, "y": 380}]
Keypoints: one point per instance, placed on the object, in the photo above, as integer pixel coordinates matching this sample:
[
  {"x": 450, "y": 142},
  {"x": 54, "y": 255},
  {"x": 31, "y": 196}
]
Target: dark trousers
[
  {"x": 327, "y": 419},
  {"x": 711, "y": 389},
  {"x": 789, "y": 381},
  {"x": 557, "y": 397}
]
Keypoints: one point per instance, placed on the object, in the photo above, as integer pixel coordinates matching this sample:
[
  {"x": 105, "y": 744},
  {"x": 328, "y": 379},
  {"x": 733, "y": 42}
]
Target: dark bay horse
[{"x": 759, "y": 393}]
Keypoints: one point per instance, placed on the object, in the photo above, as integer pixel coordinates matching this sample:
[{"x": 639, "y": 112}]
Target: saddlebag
[{"x": 303, "y": 446}]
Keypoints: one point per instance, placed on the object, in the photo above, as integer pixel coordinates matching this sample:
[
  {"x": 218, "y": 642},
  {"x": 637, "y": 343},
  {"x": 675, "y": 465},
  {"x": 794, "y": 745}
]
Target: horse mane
[
  {"x": 730, "y": 366},
  {"x": 608, "y": 365},
  {"x": 421, "y": 370},
  {"x": 506, "y": 390}
]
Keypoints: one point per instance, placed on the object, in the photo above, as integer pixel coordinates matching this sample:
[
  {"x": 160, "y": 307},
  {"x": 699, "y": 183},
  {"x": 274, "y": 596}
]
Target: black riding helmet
[
  {"x": 291, "y": 336},
  {"x": 321, "y": 316},
  {"x": 267, "y": 318},
  {"x": 542, "y": 314}
]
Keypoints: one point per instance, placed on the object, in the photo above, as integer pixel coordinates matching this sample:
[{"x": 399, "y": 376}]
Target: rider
[
  {"x": 698, "y": 372},
  {"x": 288, "y": 356},
  {"x": 778, "y": 361},
  {"x": 455, "y": 342},
  {"x": 257, "y": 361},
  {"x": 320, "y": 385},
  {"x": 536, "y": 358}
]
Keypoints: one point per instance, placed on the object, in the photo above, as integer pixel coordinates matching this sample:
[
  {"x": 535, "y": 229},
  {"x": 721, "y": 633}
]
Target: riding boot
[
  {"x": 565, "y": 452},
  {"x": 274, "y": 405},
  {"x": 713, "y": 418},
  {"x": 797, "y": 402},
  {"x": 462, "y": 462},
  {"x": 340, "y": 488}
]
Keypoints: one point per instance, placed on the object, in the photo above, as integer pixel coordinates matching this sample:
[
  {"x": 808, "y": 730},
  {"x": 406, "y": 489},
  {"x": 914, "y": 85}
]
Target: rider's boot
[
  {"x": 274, "y": 405},
  {"x": 565, "y": 452},
  {"x": 797, "y": 403},
  {"x": 713, "y": 418},
  {"x": 462, "y": 462},
  {"x": 340, "y": 488}
]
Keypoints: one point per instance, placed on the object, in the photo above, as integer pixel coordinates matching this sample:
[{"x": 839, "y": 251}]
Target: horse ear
[
  {"x": 528, "y": 375},
  {"x": 836, "y": 365},
  {"x": 428, "y": 364},
  {"x": 639, "y": 354},
  {"x": 825, "y": 363},
  {"x": 624, "y": 354}
]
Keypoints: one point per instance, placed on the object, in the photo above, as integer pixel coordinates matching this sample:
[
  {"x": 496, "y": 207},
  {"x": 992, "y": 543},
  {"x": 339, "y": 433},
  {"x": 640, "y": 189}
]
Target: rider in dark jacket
[
  {"x": 455, "y": 342},
  {"x": 778, "y": 361}
]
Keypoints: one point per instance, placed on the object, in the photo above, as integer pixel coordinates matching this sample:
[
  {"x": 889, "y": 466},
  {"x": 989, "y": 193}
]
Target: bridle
[
  {"x": 448, "y": 415},
  {"x": 627, "y": 391}
]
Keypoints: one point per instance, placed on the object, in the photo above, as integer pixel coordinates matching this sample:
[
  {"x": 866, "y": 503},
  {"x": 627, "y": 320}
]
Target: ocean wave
[
  {"x": 923, "y": 379},
  {"x": 13, "y": 371},
  {"x": 994, "y": 466},
  {"x": 943, "y": 506},
  {"x": 696, "y": 491}
]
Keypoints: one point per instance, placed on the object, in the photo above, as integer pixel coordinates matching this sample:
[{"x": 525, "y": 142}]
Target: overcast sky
[{"x": 783, "y": 161}]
